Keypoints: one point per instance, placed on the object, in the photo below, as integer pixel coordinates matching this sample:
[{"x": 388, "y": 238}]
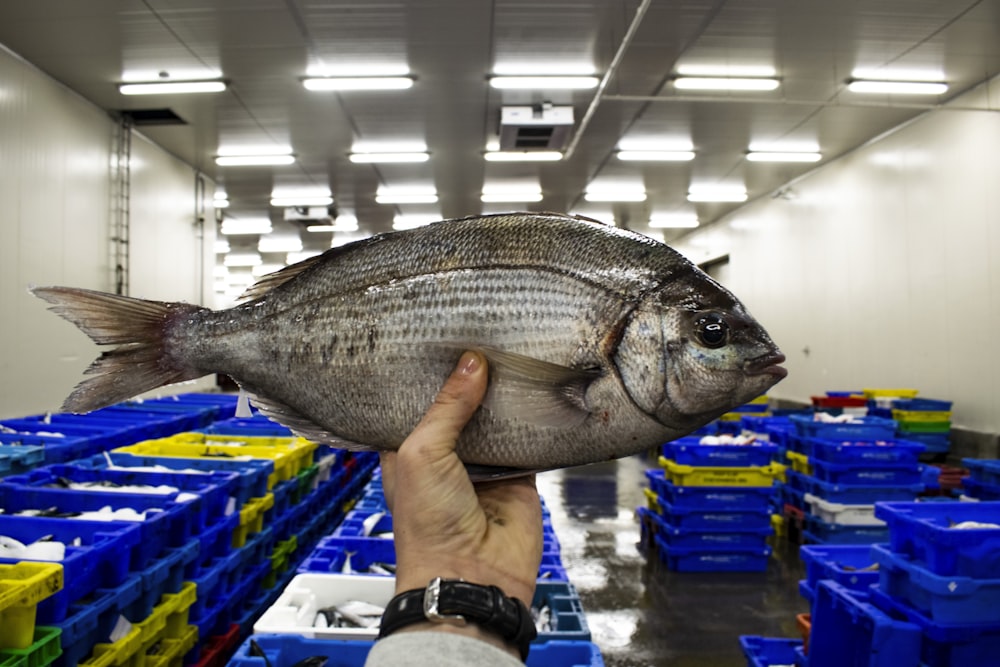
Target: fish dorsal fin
[
  {"x": 536, "y": 391},
  {"x": 301, "y": 425},
  {"x": 278, "y": 278}
]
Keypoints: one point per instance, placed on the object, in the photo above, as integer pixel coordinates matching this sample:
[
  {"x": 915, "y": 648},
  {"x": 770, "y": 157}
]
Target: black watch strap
[{"x": 456, "y": 601}]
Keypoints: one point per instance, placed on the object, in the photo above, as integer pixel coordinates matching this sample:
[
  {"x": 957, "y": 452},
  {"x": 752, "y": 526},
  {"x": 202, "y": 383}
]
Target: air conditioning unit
[
  {"x": 542, "y": 127},
  {"x": 307, "y": 213}
]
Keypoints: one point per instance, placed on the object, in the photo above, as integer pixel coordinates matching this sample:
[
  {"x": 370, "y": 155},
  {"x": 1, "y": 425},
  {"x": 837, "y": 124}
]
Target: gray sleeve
[{"x": 436, "y": 649}]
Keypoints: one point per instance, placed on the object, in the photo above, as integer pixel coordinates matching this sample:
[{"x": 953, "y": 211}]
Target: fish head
[{"x": 691, "y": 352}]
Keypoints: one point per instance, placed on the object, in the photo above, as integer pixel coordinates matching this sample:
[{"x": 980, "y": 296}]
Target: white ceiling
[{"x": 263, "y": 48}]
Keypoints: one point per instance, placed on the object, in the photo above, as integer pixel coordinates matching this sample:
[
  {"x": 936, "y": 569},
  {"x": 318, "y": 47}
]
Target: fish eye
[{"x": 712, "y": 330}]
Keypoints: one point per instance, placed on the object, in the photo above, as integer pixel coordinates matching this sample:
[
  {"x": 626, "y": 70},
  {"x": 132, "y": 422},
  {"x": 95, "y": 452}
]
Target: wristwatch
[{"x": 458, "y": 602}]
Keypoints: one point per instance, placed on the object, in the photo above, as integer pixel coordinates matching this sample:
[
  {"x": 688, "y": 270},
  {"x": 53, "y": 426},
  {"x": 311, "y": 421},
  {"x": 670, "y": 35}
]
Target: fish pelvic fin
[
  {"x": 140, "y": 363},
  {"x": 301, "y": 425}
]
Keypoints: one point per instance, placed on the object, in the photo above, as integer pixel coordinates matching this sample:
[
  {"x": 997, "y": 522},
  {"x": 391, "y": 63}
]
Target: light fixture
[
  {"x": 171, "y": 87},
  {"x": 304, "y": 200},
  {"x": 376, "y": 157},
  {"x": 221, "y": 247},
  {"x": 343, "y": 223},
  {"x": 412, "y": 221},
  {"x": 264, "y": 269},
  {"x": 283, "y": 243},
  {"x": 511, "y": 196},
  {"x": 358, "y": 83},
  {"x": 544, "y": 82},
  {"x": 233, "y": 226},
  {"x": 673, "y": 221},
  {"x": 296, "y": 257},
  {"x": 783, "y": 156},
  {"x": 220, "y": 271},
  {"x": 656, "y": 156},
  {"x": 242, "y": 259},
  {"x": 220, "y": 202},
  {"x": 897, "y": 87},
  {"x": 717, "y": 193},
  {"x": 615, "y": 193},
  {"x": 253, "y": 160},
  {"x": 522, "y": 156},
  {"x": 406, "y": 195},
  {"x": 725, "y": 83}
]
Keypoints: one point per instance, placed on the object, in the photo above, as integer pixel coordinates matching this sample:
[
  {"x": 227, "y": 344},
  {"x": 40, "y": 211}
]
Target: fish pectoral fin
[
  {"x": 481, "y": 473},
  {"x": 536, "y": 391},
  {"x": 301, "y": 425}
]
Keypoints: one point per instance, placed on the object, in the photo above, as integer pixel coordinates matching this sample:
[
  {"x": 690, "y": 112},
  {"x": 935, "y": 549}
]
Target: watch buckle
[{"x": 432, "y": 595}]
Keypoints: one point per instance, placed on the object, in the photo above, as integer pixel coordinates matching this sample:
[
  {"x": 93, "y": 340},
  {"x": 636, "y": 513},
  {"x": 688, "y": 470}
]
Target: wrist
[
  {"x": 469, "y": 630},
  {"x": 409, "y": 576}
]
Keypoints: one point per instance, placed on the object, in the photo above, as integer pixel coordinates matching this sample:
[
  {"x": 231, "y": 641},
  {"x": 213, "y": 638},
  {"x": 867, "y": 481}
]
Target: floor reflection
[{"x": 641, "y": 614}]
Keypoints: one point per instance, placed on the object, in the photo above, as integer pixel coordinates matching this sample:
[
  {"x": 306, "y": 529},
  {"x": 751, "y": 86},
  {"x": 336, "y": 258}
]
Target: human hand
[{"x": 489, "y": 534}]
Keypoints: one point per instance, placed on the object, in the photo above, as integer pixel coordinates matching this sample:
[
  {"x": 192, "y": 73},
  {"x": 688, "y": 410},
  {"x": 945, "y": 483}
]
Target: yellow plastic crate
[
  {"x": 779, "y": 526},
  {"x": 22, "y": 586},
  {"x": 683, "y": 475},
  {"x": 736, "y": 416},
  {"x": 652, "y": 500},
  {"x": 922, "y": 415},
  {"x": 251, "y": 519},
  {"x": 800, "y": 462},
  {"x": 760, "y": 400},
  {"x": 290, "y": 455},
  {"x": 883, "y": 393},
  {"x": 168, "y": 620},
  {"x": 171, "y": 652}
]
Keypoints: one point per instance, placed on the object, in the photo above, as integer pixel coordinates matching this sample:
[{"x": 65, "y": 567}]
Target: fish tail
[{"x": 141, "y": 362}]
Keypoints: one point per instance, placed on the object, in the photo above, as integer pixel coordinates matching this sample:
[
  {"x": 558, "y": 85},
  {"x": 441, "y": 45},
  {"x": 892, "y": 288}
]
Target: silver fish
[{"x": 601, "y": 342}]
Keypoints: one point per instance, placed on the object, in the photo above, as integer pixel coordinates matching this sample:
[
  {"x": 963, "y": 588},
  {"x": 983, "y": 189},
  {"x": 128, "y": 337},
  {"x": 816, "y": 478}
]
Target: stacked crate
[
  {"x": 923, "y": 420},
  {"x": 710, "y": 505},
  {"x": 983, "y": 480},
  {"x": 840, "y": 469}
]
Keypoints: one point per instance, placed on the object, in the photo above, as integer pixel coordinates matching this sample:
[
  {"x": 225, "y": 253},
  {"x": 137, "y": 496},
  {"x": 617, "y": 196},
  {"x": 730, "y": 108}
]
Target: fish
[{"x": 601, "y": 342}]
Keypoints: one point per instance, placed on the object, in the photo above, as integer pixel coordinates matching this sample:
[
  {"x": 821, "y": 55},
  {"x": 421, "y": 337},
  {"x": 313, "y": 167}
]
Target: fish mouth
[{"x": 766, "y": 364}]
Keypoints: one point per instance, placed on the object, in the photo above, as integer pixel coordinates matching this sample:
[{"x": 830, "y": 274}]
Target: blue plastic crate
[
  {"x": 288, "y": 650},
  {"x": 768, "y": 651},
  {"x": 846, "y": 564},
  {"x": 353, "y": 525},
  {"x": 851, "y": 494},
  {"x": 934, "y": 443},
  {"x": 847, "y": 630},
  {"x": 167, "y": 422},
  {"x": 749, "y": 498},
  {"x": 868, "y": 474},
  {"x": 723, "y": 538},
  {"x": 252, "y": 473},
  {"x": 212, "y": 488},
  {"x": 866, "y": 428},
  {"x": 945, "y": 645},
  {"x": 950, "y": 600},
  {"x": 98, "y": 438},
  {"x": 214, "y": 586},
  {"x": 568, "y": 620},
  {"x": 985, "y": 471},
  {"x": 101, "y": 560},
  {"x": 215, "y": 542},
  {"x": 166, "y": 575},
  {"x": 923, "y": 532},
  {"x": 980, "y": 491},
  {"x": 723, "y": 559},
  {"x": 689, "y": 451},
  {"x": 866, "y": 451},
  {"x": 714, "y": 519},
  {"x": 55, "y": 449},
  {"x": 257, "y": 425},
  {"x": 90, "y": 622},
  {"x": 818, "y": 531},
  {"x": 921, "y": 404},
  {"x": 19, "y": 458}
]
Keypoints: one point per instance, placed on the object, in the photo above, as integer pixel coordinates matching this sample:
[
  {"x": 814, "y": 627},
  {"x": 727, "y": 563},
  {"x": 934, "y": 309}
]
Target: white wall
[
  {"x": 885, "y": 265},
  {"x": 55, "y": 156}
]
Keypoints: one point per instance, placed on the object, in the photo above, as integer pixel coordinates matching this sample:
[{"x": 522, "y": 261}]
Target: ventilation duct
[{"x": 541, "y": 127}]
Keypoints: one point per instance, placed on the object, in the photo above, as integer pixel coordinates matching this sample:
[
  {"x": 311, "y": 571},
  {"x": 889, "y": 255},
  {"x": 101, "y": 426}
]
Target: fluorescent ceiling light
[
  {"x": 406, "y": 195},
  {"x": 694, "y": 69},
  {"x": 319, "y": 229},
  {"x": 220, "y": 203},
  {"x": 656, "y": 156},
  {"x": 253, "y": 160},
  {"x": 898, "y": 87},
  {"x": 220, "y": 271},
  {"x": 340, "y": 239},
  {"x": 724, "y": 83},
  {"x": 282, "y": 243},
  {"x": 716, "y": 193},
  {"x": 243, "y": 279},
  {"x": 673, "y": 221},
  {"x": 779, "y": 156},
  {"x": 515, "y": 196},
  {"x": 221, "y": 247},
  {"x": 324, "y": 70},
  {"x": 343, "y": 223},
  {"x": 242, "y": 259},
  {"x": 232, "y": 226},
  {"x": 610, "y": 193},
  {"x": 523, "y": 156},
  {"x": 541, "y": 68},
  {"x": 282, "y": 202},
  {"x": 358, "y": 83},
  {"x": 366, "y": 158},
  {"x": 544, "y": 82},
  {"x": 296, "y": 257},
  {"x": 412, "y": 221},
  {"x": 171, "y": 87}
]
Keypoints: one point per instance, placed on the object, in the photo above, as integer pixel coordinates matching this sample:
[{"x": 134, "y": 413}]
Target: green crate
[{"x": 45, "y": 649}]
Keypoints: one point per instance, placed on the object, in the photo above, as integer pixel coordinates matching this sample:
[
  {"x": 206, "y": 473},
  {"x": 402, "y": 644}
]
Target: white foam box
[
  {"x": 294, "y": 612},
  {"x": 844, "y": 515}
]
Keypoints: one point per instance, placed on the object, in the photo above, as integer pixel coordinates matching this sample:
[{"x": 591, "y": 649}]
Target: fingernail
[{"x": 469, "y": 364}]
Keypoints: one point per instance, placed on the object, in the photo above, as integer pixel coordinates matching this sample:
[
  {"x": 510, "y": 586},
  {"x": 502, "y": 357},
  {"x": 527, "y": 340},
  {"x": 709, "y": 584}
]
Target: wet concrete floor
[{"x": 639, "y": 612}]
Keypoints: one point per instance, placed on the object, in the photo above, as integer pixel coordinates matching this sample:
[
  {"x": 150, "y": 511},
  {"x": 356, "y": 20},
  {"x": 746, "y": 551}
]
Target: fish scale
[{"x": 600, "y": 342}]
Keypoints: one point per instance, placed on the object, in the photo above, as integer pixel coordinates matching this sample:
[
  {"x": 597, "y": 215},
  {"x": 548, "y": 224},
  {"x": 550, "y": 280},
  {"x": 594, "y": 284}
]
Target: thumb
[{"x": 454, "y": 405}]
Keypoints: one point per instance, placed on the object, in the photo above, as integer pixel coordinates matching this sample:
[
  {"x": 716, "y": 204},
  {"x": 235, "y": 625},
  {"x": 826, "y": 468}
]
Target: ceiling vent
[
  {"x": 145, "y": 117},
  {"x": 542, "y": 127},
  {"x": 310, "y": 214}
]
